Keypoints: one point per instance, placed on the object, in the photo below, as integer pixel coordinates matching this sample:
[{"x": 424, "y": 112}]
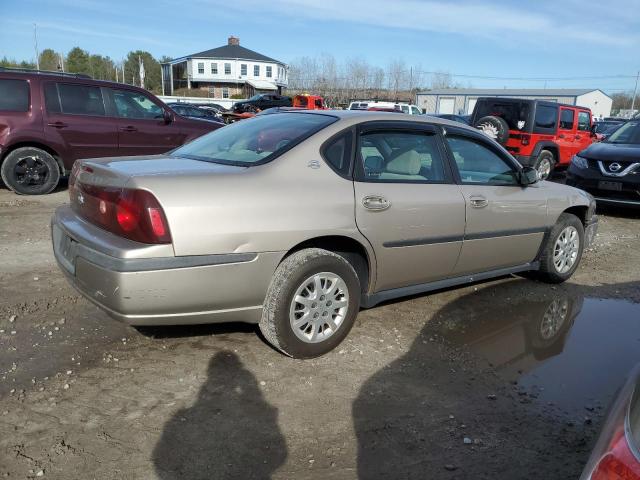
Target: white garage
[{"x": 461, "y": 101}]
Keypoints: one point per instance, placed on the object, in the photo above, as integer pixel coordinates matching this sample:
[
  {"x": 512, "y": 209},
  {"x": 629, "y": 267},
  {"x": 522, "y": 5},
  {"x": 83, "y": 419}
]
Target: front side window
[
  {"x": 256, "y": 140},
  {"x": 478, "y": 164},
  {"x": 584, "y": 121},
  {"x": 269, "y": 72},
  {"x": 201, "y": 68},
  {"x": 243, "y": 69},
  {"x": 256, "y": 70},
  {"x": 227, "y": 69},
  {"x": 136, "y": 105},
  {"x": 79, "y": 99},
  {"x": 566, "y": 119},
  {"x": 546, "y": 117},
  {"x": 14, "y": 95},
  {"x": 400, "y": 156},
  {"x": 214, "y": 68}
]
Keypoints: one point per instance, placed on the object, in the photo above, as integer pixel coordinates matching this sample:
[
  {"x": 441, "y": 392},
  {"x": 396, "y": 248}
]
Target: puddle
[{"x": 571, "y": 350}]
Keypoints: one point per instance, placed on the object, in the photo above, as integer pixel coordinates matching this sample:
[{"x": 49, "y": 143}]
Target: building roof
[
  {"x": 230, "y": 52},
  {"x": 262, "y": 84},
  {"x": 506, "y": 92}
]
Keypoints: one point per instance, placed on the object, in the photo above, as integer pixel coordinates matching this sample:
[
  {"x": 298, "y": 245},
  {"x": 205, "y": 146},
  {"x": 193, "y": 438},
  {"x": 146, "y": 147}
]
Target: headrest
[{"x": 407, "y": 163}]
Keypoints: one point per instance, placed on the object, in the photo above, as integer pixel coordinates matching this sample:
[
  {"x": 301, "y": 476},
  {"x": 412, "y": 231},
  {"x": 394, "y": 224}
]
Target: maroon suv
[{"x": 50, "y": 120}]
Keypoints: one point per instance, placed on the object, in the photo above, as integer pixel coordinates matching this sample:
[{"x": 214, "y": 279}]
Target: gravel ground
[{"x": 82, "y": 396}]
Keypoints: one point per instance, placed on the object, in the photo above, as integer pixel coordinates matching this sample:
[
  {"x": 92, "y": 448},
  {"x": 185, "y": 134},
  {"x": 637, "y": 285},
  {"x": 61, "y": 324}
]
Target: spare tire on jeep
[{"x": 494, "y": 127}]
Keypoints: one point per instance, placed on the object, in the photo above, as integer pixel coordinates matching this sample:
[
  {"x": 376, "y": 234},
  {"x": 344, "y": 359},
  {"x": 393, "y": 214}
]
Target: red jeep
[{"x": 538, "y": 133}]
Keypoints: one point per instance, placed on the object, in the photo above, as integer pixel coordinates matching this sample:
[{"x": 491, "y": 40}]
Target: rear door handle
[
  {"x": 57, "y": 124},
  {"x": 478, "y": 201},
  {"x": 375, "y": 202},
  {"x": 128, "y": 128}
]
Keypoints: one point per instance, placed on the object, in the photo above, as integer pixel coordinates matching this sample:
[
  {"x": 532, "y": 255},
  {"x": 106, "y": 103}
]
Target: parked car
[
  {"x": 374, "y": 104},
  {"x": 455, "y": 118},
  {"x": 49, "y": 120},
  {"x": 539, "y": 133},
  {"x": 262, "y": 102},
  {"x": 604, "y": 128},
  {"x": 616, "y": 455},
  {"x": 610, "y": 170},
  {"x": 196, "y": 113},
  {"x": 385, "y": 109},
  {"x": 295, "y": 220}
]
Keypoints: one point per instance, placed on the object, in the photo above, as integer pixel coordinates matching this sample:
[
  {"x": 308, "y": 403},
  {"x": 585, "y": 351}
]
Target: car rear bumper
[
  {"x": 133, "y": 286},
  {"x": 591, "y": 181}
]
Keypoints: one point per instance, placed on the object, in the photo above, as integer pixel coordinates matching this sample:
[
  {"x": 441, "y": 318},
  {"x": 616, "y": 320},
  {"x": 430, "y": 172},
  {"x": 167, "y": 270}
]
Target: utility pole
[
  {"x": 35, "y": 45},
  {"x": 635, "y": 92}
]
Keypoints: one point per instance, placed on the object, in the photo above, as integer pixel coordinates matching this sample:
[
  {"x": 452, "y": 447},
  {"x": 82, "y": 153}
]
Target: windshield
[
  {"x": 255, "y": 140},
  {"x": 627, "y": 133}
]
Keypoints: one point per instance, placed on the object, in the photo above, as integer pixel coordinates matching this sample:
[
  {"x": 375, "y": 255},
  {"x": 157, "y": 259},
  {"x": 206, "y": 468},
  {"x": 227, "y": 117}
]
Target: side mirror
[
  {"x": 528, "y": 176},
  {"x": 167, "y": 116},
  {"x": 594, "y": 128}
]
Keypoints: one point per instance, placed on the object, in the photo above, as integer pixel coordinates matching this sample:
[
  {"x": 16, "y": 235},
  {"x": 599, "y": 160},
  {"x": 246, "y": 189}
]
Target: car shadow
[
  {"x": 229, "y": 432},
  {"x": 437, "y": 412}
]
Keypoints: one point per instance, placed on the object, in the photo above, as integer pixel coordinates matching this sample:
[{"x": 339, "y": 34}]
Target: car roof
[
  {"x": 66, "y": 78},
  {"x": 356, "y": 116}
]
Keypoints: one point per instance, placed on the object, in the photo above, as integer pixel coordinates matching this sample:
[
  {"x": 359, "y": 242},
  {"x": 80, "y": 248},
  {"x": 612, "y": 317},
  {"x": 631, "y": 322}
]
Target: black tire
[
  {"x": 494, "y": 127},
  {"x": 545, "y": 163},
  {"x": 548, "y": 271},
  {"x": 291, "y": 275},
  {"x": 30, "y": 171}
]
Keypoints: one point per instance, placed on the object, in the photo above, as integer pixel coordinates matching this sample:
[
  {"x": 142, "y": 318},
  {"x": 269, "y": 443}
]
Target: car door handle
[
  {"x": 128, "y": 128},
  {"x": 57, "y": 124},
  {"x": 375, "y": 202},
  {"x": 478, "y": 201}
]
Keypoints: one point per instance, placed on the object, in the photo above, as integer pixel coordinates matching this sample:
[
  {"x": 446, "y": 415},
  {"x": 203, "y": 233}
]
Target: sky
[{"x": 520, "y": 43}]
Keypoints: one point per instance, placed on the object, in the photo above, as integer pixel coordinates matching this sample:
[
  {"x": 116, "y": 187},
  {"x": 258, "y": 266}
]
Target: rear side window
[
  {"x": 81, "y": 99},
  {"x": 51, "y": 99},
  {"x": 567, "y": 117},
  {"x": 546, "y": 117},
  {"x": 14, "y": 95},
  {"x": 400, "y": 157},
  {"x": 338, "y": 153}
]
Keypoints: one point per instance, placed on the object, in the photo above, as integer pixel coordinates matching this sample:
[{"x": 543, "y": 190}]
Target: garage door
[
  {"x": 446, "y": 105},
  {"x": 471, "y": 105}
]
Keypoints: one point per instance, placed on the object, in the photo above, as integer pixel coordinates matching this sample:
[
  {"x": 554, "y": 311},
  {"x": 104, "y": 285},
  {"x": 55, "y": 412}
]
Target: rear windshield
[
  {"x": 14, "y": 95},
  {"x": 516, "y": 114},
  {"x": 627, "y": 133},
  {"x": 256, "y": 140}
]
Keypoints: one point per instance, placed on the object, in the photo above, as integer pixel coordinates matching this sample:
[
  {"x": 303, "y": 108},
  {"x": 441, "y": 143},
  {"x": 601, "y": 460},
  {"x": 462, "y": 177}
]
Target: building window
[
  {"x": 225, "y": 92},
  {"x": 256, "y": 70},
  {"x": 214, "y": 68},
  {"x": 201, "y": 68},
  {"x": 268, "y": 72},
  {"x": 243, "y": 69},
  {"x": 227, "y": 69}
]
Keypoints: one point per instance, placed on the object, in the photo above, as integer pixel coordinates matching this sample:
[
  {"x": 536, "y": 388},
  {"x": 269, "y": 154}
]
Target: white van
[{"x": 366, "y": 104}]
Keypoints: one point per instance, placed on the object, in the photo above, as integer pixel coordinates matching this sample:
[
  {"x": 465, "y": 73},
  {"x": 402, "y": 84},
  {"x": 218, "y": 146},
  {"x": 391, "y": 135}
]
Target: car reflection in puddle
[{"x": 563, "y": 347}]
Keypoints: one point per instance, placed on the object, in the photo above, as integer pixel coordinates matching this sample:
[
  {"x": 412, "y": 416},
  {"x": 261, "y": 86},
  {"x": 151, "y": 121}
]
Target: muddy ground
[{"x": 503, "y": 379}]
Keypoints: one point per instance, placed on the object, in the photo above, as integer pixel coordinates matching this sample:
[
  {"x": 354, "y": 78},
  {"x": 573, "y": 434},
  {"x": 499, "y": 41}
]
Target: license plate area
[
  {"x": 65, "y": 249},
  {"x": 615, "y": 186}
]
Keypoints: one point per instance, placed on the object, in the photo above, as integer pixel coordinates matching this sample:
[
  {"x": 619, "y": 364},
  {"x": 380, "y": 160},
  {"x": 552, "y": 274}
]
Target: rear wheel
[
  {"x": 30, "y": 171},
  {"x": 311, "y": 303},
  {"x": 563, "y": 251},
  {"x": 545, "y": 164}
]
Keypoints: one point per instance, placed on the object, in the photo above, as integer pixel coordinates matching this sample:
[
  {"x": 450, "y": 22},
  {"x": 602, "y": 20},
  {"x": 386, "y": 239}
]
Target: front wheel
[
  {"x": 311, "y": 303},
  {"x": 563, "y": 251}
]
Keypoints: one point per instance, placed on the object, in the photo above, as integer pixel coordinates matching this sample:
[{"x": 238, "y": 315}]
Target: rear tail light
[
  {"x": 616, "y": 455},
  {"x": 133, "y": 214}
]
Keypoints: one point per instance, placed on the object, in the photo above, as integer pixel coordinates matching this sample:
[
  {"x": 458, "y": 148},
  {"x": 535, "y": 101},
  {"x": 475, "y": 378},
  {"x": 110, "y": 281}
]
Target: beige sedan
[{"x": 297, "y": 219}]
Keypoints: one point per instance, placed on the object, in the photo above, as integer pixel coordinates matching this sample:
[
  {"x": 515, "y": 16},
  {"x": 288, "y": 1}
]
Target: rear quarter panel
[{"x": 266, "y": 208}]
